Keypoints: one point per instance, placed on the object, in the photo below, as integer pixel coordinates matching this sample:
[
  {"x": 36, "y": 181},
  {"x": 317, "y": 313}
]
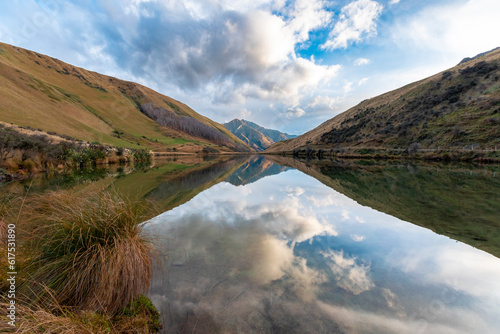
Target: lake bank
[{"x": 451, "y": 155}]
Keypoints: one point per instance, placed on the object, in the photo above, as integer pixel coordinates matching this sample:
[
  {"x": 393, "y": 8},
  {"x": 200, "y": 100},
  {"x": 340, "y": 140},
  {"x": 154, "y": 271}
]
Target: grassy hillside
[
  {"x": 256, "y": 136},
  {"x": 457, "y": 109},
  {"x": 44, "y": 93}
]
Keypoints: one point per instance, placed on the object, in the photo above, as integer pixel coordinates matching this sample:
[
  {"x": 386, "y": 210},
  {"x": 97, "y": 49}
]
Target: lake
[{"x": 275, "y": 245}]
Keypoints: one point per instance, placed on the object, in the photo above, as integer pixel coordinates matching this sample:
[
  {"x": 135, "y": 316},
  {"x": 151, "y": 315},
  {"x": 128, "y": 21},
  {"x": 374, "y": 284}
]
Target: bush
[
  {"x": 210, "y": 150},
  {"x": 142, "y": 156},
  {"x": 91, "y": 250}
]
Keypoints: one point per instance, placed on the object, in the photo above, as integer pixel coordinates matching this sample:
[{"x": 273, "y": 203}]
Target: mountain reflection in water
[{"x": 287, "y": 254}]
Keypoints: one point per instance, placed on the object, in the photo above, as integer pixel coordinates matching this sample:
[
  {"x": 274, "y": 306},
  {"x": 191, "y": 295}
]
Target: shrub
[
  {"x": 91, "y": 250},
  {"x": 210, "y": 150},
  {"x": 142, "y": 156}
]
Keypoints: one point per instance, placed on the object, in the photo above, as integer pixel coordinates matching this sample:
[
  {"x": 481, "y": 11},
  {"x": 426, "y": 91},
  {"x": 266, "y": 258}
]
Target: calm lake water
[
  {"x": 275, "y": 245},
  {"x": 274, "y": 250}
]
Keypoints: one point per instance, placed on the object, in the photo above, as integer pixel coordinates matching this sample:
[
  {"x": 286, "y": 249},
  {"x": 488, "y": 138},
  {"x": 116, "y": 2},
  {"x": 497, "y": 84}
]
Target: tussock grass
[
  {"x": 90, "y": 250},
  {"x": 47, "y": 316},
  {"x": 51, "y": 318}
]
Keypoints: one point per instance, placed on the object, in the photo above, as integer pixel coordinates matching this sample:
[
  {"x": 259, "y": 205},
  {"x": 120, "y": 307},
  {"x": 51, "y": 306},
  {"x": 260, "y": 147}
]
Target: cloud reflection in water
[{"x": 303, "y": 263}]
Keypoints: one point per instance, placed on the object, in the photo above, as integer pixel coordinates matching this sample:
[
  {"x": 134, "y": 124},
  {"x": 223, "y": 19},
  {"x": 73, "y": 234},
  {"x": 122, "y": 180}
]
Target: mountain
[
  {"x": 256, "y": 168},
  {"x": 420, "y": 194},
  {"x": 456, "y": 109},
  {"x": 44, "y": 93},
  {"x": 256, "y": 136}
]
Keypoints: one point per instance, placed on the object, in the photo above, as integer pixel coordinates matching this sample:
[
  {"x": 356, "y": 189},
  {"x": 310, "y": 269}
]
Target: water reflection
[
  {"x": 459, "y": 201},
  {"x": 286, "y": 254},
  {"x": 255, "y": 168}
]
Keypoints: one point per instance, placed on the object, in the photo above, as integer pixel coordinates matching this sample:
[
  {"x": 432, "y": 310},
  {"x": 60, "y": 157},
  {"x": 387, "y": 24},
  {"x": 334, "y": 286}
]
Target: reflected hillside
[
  {"x": 459, "y": 201},
  {"x": 179, "y": 189},
  {"x": 173, "y": 183},
  {"x": 253, "y": 170},
  {"x": 169, "y": 183}
]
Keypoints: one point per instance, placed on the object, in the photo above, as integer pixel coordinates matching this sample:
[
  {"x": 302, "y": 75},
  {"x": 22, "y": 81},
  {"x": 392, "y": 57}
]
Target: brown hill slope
[
  {"x": 454, "y": 109},
  {"x": 44, "y": 93}
]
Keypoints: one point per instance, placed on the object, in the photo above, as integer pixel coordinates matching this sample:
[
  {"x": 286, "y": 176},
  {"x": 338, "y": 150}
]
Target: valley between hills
[{"x": 47, "y": 104}]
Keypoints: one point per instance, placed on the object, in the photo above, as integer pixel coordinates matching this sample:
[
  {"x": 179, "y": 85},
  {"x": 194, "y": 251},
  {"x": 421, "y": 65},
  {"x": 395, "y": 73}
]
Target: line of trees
[{"x": 185, "y": 124}]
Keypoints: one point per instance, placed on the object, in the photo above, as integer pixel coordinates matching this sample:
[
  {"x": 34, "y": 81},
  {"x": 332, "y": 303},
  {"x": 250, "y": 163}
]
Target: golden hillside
[{"x": 45, "y": 93}]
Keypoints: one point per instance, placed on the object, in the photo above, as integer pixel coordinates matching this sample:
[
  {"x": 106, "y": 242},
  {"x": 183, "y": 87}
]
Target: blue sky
[{"x": 285, "y": 64}]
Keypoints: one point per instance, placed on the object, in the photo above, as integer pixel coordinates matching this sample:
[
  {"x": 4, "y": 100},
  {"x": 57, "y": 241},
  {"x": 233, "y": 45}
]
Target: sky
[{"x": 284, "y": 64}]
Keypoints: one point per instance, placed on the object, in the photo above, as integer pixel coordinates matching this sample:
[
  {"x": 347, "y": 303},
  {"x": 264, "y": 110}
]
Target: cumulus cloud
[
  {"x": 306, "y": 16},
  {"x": 225, "y": 51},
  {"x": 357, "y": 21},
  {"x": 229, "y": 55},
  {"x": 362, "y": 61},
  {"x": 350, "y": 275}
]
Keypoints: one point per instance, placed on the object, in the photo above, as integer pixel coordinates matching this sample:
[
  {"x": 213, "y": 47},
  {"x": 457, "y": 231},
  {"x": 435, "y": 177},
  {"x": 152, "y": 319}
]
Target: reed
[{"x": 90, "y": 250}]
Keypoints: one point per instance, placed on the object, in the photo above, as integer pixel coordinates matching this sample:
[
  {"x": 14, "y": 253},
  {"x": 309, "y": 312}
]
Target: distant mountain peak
[{"x": 255, "y": 135}]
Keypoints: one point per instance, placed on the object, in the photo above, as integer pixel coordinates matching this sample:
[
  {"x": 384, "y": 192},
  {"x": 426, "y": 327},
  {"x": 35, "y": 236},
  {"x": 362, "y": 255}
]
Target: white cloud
[
  {"x": 326, "y": 102},
  {"x": 306, "y": 16},
  {"x": 362, "y": 81},
  {"x": 348, "y": 87},
  {"x": 350, "y": 275},
  {"x": 357, "y": 238},
  {"x": 360, "y": 220},
  {"x": 455, "y": 30},
  {"x": 357, "y": 21},
  {"x": 295, "y": 191},
  {"x": 356, "y": 321},
  {"x": 362, "y": 61},
  {"x": 393, "y": 2},
  {"x": 294, "y": 113},
  {"x": 225, "y": 51}
]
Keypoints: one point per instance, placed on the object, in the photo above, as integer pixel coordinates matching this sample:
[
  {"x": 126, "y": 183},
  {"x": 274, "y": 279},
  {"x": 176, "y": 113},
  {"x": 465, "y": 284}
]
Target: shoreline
[{"x": 446, "y": 155}]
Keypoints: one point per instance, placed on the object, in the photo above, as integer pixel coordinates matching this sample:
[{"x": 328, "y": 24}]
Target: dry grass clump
[
  {"x": 91, "y": 250},
  {"x": 48, "y": 317},
  {"x": 4, "y": 210}
]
